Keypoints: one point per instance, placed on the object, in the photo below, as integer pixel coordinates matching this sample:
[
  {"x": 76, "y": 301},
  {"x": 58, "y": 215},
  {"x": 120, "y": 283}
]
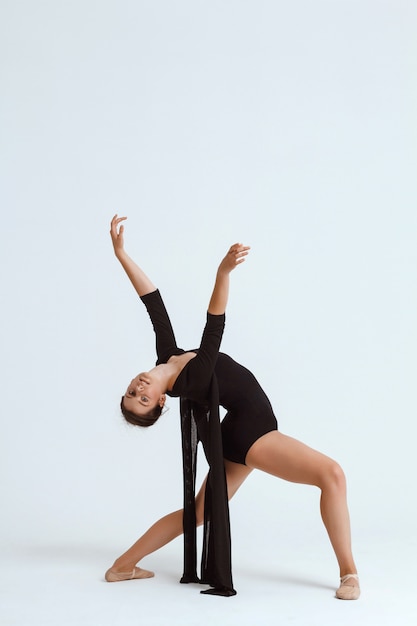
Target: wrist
[
  {"x": 120, "y": 254},
  {"x": 222, "y": 273}
]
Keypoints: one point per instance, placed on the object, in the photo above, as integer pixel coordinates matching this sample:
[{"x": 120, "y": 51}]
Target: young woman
[{"x": 249, "y": 436}]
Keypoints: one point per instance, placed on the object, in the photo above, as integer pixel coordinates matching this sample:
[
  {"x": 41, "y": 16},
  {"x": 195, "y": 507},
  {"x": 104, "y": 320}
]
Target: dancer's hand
[
  {"x": 233, "y": 258},
  {"x": 137, "y": 276},
  {"x": 117, "y": 234},
  {"x": 219, "y": 297}
]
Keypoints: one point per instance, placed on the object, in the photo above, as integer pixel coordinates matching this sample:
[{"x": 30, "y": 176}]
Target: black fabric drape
[{"x": 200, "y": 423}]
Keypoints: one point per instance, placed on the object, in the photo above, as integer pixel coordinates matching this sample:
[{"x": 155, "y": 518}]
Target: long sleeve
[
  {"x": 195, "y": 379},
  {"x": 166, "y": 344}
]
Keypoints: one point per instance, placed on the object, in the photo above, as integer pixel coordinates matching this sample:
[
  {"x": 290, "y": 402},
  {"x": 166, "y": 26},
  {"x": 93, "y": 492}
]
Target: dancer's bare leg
[
  {"x": 291, "y": 460},
  {"x": 170, "y": 526}
]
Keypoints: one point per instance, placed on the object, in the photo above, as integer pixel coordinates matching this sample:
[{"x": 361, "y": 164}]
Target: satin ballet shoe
[
  {"x": 114, "y": 577},
  {"x": 348, "y": 592}
]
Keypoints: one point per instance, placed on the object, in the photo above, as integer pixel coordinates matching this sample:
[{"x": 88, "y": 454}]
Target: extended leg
[
  {"x": 169, "y": 527},
  {"x": 291, "y": 460}
]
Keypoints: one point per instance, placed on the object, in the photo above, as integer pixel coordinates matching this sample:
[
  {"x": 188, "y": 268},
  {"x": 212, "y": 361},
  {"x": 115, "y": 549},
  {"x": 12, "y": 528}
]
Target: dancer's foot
[
  {"x": 349, "y": 587},
  {"x": 113, "y": 576}
]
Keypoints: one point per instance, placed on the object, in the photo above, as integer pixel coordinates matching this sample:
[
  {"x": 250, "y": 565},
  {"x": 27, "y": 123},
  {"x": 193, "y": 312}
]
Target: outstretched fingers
[
  {"x": 116, "y": 232},
  {"x": 115, "y": 222},
  {"x": 235, "y": 256},
  {"x": 240, "y": 251}
]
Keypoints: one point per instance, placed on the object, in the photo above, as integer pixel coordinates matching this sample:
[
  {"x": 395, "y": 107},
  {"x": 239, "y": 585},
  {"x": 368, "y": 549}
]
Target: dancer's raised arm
[
  {"x": 137, "y": 277},
  {"x": 219, "y": 297}
]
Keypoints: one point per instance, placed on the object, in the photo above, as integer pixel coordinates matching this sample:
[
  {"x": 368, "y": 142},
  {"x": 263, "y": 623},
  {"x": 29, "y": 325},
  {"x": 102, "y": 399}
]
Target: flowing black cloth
[
  {"x": 197, "y": 386},
  {"x": 202, "y": 424}
]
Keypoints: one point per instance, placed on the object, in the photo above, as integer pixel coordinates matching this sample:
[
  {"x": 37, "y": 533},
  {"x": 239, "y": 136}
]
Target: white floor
[{"x": 63, "y": 585}]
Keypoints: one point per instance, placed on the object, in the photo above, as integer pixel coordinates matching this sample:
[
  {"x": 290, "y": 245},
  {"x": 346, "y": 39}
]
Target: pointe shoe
[
  {"x": 114, "y": 577},
  {"x": 348, "y": 592}
]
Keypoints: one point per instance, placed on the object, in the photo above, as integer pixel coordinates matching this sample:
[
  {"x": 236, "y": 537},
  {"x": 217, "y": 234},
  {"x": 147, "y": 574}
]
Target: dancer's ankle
[{"x": 123, "y": 566}]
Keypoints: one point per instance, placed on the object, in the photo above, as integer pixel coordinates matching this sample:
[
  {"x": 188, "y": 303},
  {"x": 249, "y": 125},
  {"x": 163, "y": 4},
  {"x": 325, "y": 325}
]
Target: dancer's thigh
[{"x": 287, "y": 458}]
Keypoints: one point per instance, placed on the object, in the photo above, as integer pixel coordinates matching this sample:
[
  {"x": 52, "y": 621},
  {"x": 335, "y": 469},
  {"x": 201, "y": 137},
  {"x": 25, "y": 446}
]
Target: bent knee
[{"x": 333, "y": 477}]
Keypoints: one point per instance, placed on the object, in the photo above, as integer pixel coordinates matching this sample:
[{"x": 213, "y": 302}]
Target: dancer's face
[{"x": 143, "y": 394}]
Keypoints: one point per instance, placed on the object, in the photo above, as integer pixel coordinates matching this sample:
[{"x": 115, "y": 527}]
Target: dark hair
[{"x": 148, "y": 419}]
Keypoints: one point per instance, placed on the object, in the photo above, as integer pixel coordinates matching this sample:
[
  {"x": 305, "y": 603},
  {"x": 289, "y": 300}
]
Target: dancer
[{"x": 249, "y": 434}]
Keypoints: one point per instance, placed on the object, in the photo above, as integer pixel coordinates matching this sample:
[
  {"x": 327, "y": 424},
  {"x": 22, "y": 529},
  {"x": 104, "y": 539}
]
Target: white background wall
[{"x": 289, "y": 126}]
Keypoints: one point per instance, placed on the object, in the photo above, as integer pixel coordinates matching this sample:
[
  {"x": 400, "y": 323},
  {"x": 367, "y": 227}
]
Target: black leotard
[{"x": 249, "y": 412}]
